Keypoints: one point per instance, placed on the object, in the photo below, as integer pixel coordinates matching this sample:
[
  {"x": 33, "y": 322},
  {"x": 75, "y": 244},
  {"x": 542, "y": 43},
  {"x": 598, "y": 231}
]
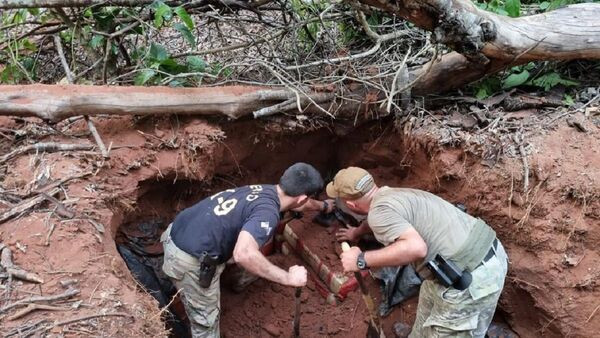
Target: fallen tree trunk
[
  {"x": 57, "y": 102},
  {"x": 485, "y": 42}
]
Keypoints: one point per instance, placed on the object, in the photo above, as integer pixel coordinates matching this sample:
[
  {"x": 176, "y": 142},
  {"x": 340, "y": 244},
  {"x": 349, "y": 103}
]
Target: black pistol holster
[
  {"x": 448, "y": 273},
  {"x": 208, "y": 267}
]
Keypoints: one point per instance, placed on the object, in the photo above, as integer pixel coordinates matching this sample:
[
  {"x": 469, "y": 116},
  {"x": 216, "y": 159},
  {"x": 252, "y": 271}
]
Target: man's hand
[
  {"x": 349, "y": 259},
  {"x": 351, "y": 234},
  {"x": 297, "y": 276},
  {"x": 330, "y": 206}
]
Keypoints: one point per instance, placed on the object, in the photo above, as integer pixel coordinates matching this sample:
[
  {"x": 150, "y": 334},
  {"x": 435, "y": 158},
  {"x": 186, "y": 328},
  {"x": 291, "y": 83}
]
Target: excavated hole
[{"x": 267, "y": 307}]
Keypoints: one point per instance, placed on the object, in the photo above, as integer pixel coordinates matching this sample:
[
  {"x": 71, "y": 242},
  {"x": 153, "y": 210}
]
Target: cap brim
[{"x": 331, "y": 191}]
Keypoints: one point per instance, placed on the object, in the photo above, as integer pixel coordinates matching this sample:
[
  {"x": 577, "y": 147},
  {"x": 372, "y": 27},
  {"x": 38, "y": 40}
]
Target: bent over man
[
  {"x": 459, "y": 256},
  {"x": 232, "y": 223}
]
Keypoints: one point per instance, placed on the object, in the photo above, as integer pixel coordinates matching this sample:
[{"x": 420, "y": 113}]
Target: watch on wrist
[
  {"x": 360, "y": 261},
  {"x": 325, "y": 206}
]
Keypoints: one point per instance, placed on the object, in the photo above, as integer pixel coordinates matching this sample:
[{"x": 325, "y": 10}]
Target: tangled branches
[{"x": 331, "y": 47}]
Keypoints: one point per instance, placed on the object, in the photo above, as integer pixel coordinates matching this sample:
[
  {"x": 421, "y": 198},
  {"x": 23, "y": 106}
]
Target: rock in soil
[{"x": 272, "y": 329}]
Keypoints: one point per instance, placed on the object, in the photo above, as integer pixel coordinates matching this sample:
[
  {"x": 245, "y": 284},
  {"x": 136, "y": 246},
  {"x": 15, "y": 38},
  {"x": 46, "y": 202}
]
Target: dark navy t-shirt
[{"x": 213, "y": 224}]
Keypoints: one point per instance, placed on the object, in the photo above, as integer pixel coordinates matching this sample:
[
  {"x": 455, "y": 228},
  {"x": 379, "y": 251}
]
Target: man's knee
[
  {"x": 203, "y": 313},
  {"x": 201, "y": 326}
]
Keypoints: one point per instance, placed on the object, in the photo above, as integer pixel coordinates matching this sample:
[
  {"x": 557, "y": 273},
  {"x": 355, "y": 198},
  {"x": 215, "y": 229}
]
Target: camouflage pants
[
  {"x": 202, "y": 305},
  {"x": 447, "y": 312}
]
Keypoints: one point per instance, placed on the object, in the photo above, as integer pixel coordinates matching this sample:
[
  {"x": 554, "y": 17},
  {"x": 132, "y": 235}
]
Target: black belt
[
  {"x": 466, "y": 278},
  {"x": 492, "y": 251}
]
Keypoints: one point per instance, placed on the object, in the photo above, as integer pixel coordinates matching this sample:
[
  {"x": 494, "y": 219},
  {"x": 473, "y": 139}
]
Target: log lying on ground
[
  {"x": 57, "y": 102},
  {"x": 485, "y": 42}
]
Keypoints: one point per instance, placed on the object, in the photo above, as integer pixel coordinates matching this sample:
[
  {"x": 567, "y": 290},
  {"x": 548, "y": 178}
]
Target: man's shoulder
[{"x": 388, "y": 194}]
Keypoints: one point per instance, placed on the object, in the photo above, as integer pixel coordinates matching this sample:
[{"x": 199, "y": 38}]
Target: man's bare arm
[
  {"x": 316, "y": 205},
  {"x": 247, "y": 254},
  {"x": 407, "y": 248}
]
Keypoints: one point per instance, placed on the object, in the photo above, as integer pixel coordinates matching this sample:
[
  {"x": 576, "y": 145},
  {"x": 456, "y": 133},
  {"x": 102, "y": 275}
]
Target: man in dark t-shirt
[{"x": 233, "y": 223}]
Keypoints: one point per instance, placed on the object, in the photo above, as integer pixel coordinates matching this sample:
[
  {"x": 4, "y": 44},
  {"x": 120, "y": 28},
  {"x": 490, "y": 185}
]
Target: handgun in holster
[
  {"x": 208, "y": 267},
  {"x": 448, "y": 274}
]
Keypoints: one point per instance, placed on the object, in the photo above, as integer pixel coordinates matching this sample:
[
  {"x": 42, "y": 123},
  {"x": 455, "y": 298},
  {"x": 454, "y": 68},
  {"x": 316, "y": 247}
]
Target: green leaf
[
  {"x": 482, "y": 93},
  {"x": 97, "y": 41},
  {"x": 186, "y": 33},
  {"x": 552, "y": 79},
  {"x": 27, "y": 44},
  {"x": 513, "y": 7},
  {"x": 195, "y": 63},
  {"x": 163, "y": 12},
  {"x": 530, "y": 66},
  {"x": 544, "y": 5},
  {"x": 501, "y": 11},
  {"x": 143, "y": 77},
  {"x": 515, "y": 79},
  {"x": 185, "y": 17},
  {"x": 555, "y": 4},
  {"x": 568, "y": 100},
  {"x": 28, "y": 63},
  {"x": 158, "y": 52},
  {"x": 175, "y": 83}
]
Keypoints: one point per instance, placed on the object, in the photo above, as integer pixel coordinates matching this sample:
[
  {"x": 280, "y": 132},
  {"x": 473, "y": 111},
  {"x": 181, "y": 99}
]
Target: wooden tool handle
[{"x": 345, "y": 246}]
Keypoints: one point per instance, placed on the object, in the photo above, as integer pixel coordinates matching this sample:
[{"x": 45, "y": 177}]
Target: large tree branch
[
  {"x": 54, "y": 103},
  {"x": 486, "y": 43}
]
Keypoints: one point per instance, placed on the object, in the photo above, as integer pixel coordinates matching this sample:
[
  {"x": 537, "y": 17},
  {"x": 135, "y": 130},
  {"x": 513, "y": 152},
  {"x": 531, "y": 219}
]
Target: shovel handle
[
  {"x": 296, "y": 323},
  {"x": 374, "y": 325}
]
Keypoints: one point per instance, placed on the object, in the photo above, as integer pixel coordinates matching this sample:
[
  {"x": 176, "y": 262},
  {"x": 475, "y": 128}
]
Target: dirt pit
[{"x": 160, "y": 166}]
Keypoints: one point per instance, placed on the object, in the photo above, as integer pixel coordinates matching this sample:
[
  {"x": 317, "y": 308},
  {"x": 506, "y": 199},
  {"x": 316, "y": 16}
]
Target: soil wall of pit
[{"x": 546, "y": 229}]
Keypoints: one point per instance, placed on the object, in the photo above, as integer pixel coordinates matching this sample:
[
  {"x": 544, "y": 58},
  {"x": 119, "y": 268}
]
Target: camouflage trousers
[
  {"x": 202, "y": 305},
  {"x": 448, "y": 312}
]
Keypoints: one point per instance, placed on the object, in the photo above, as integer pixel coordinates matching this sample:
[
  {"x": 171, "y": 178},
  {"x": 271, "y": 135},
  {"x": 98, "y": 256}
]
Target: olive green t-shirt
[{"x": 443, "y": 227}]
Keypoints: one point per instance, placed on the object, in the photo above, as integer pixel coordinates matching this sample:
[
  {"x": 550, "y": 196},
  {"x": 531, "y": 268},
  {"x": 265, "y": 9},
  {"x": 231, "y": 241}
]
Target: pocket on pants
[
  {"x": 454, "y": 296},
  {"x": 453, "y": 313},
  {"x": 453, "y": 321},
  {"x": 172, "y": 266},
  {"x": 488, "y": 279}
]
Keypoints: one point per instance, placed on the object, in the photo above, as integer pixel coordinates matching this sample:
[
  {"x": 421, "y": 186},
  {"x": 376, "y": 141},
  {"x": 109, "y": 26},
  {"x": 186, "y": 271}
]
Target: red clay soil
[{"x": 550, "y": 231}]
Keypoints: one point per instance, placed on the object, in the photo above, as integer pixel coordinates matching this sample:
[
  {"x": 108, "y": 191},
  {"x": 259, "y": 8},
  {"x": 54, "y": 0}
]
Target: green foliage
[
  {"x": 144, "y": 76},
  {"x": 97, "y": 41},
  {"x": 163, "y": 16},
  {"x": 525, "y": 75},
  {"x": 487, "y": 87},
  {"x": 551, "y": 79},
  {"x": 195, "y": 63},
  {"x": 568, "y": 100},
  {"x": 185, "y": 17},
  {"x": 516, "y": 79},
  {"x": 513, "y": 7},
  {"x": 159, "y": 65},
  {"x": 307, "y": 10},
  {"x": 186, "y": 33},
  {"x": 162, "y": 13},
  {"x": 495, "y": 6},
  {"x": 554, "y": 4}
]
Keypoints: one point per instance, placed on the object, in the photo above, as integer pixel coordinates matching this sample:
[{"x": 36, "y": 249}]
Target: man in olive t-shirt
[{"x": 415, "y": 226}]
